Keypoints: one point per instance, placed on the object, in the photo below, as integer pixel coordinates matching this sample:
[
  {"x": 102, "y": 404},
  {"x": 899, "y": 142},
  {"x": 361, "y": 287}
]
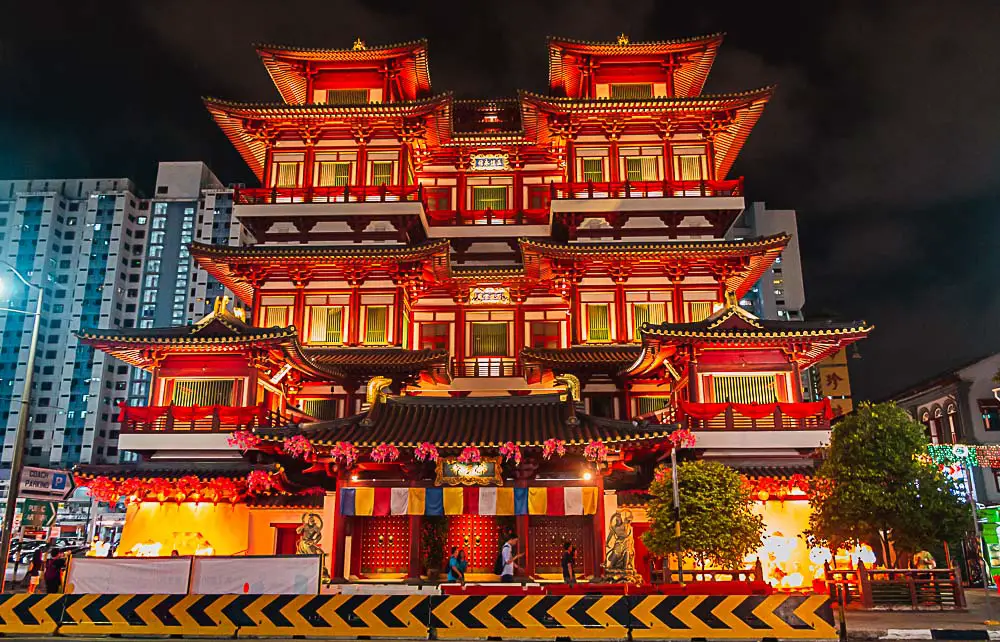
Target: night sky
[{"x": 884, "y": 133}]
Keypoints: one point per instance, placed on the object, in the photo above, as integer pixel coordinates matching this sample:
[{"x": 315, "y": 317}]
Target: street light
[{"x": 22, "y": 426}]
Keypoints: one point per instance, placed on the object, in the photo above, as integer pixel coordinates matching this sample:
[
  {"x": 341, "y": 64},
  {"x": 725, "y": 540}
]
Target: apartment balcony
[
  {"x": 186, "y": 428},
  {"x": 647, "y": 196},
  {"x": 729, "y": 426}
]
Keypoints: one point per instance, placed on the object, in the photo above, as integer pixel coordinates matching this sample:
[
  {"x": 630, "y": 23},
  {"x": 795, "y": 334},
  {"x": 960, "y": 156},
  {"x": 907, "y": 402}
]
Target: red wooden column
[
  {"x": 598, "y": 524},
  {"x": 309, "y": 160},
  {"x": 354, "y": 316},
  {"x": 519, "y": 321},
  {"x": 575, "y": 315},
  {"x": 677, "y": 302},
  {"x": 621, "y": 311},
  {"x": 521, "y": 527},
  {"x": 339, "y": 532},
  {"x": 416, "y": 523},
  {"x": 299, "y": 310},
  {"x": 459, "y": 330},
  {"x": 397, "y": 317}
]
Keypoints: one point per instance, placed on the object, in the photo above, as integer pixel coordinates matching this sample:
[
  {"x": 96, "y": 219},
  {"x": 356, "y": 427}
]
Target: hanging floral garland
[
  {"x": 224, "y": 488},
  {"x": 189, "y": 485},
  {"x": 765, "y": 488},
  {"x": 385, "y": 452},
  {"x": 259, "y": 482},
  {"x": 553, "y": 447},
  {"x": 345, "y": 452},
  {"x": 511, "y": 452},
  {"x": 682, "y": 438},
  {"x": 596, "y": 452},
  {"x": 297, "y": 446},
  {"x": 243, "y": 439},
  {"x": 103, "y": 489},
  {"x": 426, "y": 452},
  {"x": 470, "y": 455},
  {"x": 131, "y": 489}
]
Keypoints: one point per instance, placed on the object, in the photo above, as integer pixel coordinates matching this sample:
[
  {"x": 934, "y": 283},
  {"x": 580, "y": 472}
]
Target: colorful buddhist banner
[{"x": 363, "y": 501}]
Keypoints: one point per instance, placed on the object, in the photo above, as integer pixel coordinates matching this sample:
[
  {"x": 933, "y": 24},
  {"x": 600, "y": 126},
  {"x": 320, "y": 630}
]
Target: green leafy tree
[
  {"x": 876, "y": 484},
  {"x": 717, "y": 524}
]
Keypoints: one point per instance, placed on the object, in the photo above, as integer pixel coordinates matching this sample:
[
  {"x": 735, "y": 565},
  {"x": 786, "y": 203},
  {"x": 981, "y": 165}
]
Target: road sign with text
[
  {"x": 38, "y": 514},
  {"x": 45, "y": 484}
]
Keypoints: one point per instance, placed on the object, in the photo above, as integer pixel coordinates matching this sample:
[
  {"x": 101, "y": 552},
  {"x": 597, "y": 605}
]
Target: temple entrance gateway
[
  {"x": 546, "y": 536},
  {"x": 384, "y": 545}
]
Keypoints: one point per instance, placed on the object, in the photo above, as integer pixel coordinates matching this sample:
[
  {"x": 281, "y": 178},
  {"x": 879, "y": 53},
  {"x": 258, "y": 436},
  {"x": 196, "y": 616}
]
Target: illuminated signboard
[
  {"x": 489, "y": 296},
  {"x": 452, "y": 472},
  {"x": 488, "y": 162}
]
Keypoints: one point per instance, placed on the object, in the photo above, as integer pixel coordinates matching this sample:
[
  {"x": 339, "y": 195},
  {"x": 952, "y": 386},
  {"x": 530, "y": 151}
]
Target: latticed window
[
  {"x": 334, "y": 174},
  {"x": 631, "y": 91},
  {"x": 545, "y": 334},
  {"x": 646, "y": 405},
  {"x": 598, "y": 322},
  {"x": 489, "y": 339},
  {"x": 641, "y": 168},
  {"x": 286, "y": 174},
  {"x": 593, "y": 170},
  {"x": 744, "y": 388},
  {"x": 382, "y": 172},
  {"x": 691, "y": 168},
  {"x": 203, "y": 392},
  {"x": 434, "y": 336},
  {"x": 320, "y": 408},
  {"x": 489, "y": 197},
  {"x": 376, "y": 317},
  {"x": 326, "y": 324},
  {"x": 700, "y": 310},
  {"x": 346, "y": 96},
  {"x": 276, "y": 316},
  {"x": 652, "y": 313}
]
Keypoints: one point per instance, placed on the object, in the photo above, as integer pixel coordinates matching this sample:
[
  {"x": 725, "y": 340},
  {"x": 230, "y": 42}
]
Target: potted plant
[{"x": 432, "y": 542}]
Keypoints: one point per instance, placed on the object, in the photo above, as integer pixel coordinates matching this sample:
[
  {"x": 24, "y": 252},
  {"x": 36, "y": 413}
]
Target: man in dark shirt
[
  {"x": 569, "y": 563},
  {"x": 53, "y": 572}
]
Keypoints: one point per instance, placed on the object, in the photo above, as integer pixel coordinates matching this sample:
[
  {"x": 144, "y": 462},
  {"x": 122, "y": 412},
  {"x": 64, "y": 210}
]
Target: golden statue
[
  {"x": 619, "y": 549},
  {"x": 310, "y": 534}
]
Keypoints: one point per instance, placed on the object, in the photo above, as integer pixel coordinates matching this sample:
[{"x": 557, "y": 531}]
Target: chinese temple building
[{"x": 490, "y": 314}]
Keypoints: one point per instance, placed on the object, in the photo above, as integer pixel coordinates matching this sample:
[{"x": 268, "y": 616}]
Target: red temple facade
[{"x": 541, "y": 279}]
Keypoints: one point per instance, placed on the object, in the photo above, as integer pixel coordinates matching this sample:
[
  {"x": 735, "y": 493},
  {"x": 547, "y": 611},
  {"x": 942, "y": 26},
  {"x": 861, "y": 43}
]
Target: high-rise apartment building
[
  {"x": 104, "y": 256},
  {"x": 779, "y": 294}
]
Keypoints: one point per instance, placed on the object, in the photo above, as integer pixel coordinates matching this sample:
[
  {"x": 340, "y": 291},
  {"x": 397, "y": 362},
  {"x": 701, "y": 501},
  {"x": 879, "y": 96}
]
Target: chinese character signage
[
  {"x": 452, "y": 472},
  {"x": 488, "y": 162},
  {"x": 489, "y": 296}
]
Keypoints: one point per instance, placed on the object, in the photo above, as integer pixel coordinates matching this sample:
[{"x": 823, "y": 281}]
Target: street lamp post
[{"x": 20, "y": 435}]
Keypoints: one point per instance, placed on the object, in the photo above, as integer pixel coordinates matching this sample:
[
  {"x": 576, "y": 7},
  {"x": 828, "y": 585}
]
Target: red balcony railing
[
  {"x": 747, "y": 417},
  {"x": 647, "y": 189},
  {"x": 488, "y": 217},
  {"x": 346, "y": 194},
  {"x": 142, "y": 419},
  {"x": 486, "y": 367}
]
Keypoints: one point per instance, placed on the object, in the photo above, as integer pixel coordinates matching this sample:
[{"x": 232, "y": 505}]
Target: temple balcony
[
  {"x": 190, "y": 428},
  {"x": 722, "y": 426},
  {"x": 647, "y": 196}
]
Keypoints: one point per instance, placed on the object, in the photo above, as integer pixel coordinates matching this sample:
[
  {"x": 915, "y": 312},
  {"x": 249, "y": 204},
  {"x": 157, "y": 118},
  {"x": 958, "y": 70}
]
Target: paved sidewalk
[{"x": 874, "y": 625}]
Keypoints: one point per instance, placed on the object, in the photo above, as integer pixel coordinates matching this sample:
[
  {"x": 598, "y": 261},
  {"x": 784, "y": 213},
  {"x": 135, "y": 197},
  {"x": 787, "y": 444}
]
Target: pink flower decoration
[
  {"x": 297, "y": 446},
  {"x": 345, "y": 452},
  {"x": 511, "y": 451},
  {"x": 596, "y": 452},
  {"x": 243, "y": 439},
  {"x": 553, "y": 447},
  {"x": 385, "y": 452},
  {"x": 470, "y": 455},
  {"x": 259, "y": 482},
  {"x": 426, "y": 452},
  {"x": 682, "y": 438}
]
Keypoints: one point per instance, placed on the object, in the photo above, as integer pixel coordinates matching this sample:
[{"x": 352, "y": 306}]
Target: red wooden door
[
  {"x": 547, "y": 535},
  {"x": 385, "y": 544},
  {"x": 285, "y": 539}
]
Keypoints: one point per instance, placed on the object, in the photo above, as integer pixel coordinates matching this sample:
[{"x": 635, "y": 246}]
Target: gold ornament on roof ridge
[
  {"x": 359, "y": 45},
  {"x": 622, "y": 39}
]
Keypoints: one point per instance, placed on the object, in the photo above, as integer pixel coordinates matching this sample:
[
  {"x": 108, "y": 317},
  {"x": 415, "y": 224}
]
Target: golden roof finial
[
  {"x": 731, "y": 301},
  {"x": 221, "y": 305},
  {"x": 359, "y": 45},
  {"x": 622, "y": 39}
]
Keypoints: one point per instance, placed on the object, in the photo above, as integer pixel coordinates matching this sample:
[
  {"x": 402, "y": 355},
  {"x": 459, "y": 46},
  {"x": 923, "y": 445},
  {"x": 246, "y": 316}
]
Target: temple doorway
[
  {"x": 385, "y": 545},
  {"x": 480, "y": 536},
  {"x": 547, "y": 534}
]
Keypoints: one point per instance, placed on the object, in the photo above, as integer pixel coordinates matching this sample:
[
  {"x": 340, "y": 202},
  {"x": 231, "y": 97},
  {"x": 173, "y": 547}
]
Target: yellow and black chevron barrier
[
  {"x": 338, "y": 616},
  {"x": 30, "y": 614},
  {"x": 543, "y": 617},
  {"x": 731, "y": 616},
  {"x": 185, "y": 615},
  {"x": 540, "y": 617}
]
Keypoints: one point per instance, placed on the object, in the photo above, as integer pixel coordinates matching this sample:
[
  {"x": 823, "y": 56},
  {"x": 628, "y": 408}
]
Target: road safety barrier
[{"x": 540, "y": 617}]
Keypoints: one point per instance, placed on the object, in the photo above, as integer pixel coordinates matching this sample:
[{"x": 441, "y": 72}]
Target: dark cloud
[{"x": 882, "y": 134}]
